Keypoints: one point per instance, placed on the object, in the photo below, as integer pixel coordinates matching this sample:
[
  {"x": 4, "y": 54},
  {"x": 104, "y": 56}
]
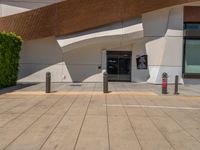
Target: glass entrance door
[{"x": 119, "y": 65}]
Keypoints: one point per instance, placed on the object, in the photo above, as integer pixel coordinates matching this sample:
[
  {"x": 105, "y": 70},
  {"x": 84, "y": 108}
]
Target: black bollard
[
  {"x": 164, "y": 83},
  {"x": 105, "y": 82},
  {"x": 176, "y": 85},
  {"x": 48, "y": 82}
]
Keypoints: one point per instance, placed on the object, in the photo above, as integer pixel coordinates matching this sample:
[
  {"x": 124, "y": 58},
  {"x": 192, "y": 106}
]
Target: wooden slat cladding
[
  {"x": 72, "y": 16},
  {"x": 192, "y": 14},
  {"x": 32, "y": 24},
  {"x": 76, "y": 16}
]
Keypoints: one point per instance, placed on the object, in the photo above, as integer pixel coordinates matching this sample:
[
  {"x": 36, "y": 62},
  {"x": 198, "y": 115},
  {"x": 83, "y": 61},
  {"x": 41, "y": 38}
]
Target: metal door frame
[{"x": 118, "y": 54}]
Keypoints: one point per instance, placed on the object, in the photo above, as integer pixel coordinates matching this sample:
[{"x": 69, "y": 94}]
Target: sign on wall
[{"x": 142, "y": 62}]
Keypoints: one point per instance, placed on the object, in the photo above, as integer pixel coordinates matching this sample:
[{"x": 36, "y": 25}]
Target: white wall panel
[
  {"x": 78, "y": 57},
  {"x": 163, "y": 31}
]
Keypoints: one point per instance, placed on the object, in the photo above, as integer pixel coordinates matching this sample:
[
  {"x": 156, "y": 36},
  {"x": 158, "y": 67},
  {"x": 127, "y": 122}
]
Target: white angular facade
[{"x": 81, "y": 57}]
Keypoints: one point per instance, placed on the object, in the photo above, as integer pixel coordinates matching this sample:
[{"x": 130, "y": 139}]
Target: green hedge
[{"x": 10, "y": 47}]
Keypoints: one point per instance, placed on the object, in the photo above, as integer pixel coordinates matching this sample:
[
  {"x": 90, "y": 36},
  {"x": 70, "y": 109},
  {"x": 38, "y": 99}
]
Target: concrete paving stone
[
  {"x": 194, "y": 115},
  {"x": 80, "y": 87},
  {"x": 188, "y": 90},
  {"x": 150, "y": 111},
  {"x": 111, "y": 87},
  {"x": 66, "y": 87},
  {"x": 149, "y": 136},
  {"x": 189, "y": 124},
  {"x": 8, "y": 96},
  {"x": 10, "y": 105},
  {"x": 129, "y": 100},
  {"x": 114, "y": 111},
  {"x": 182, "y": 118},
  {"x": 98, "y": 87},
  {"x": 2, "y": 102},
  {"x": 147, "y": 133},
  {"x": 11, "y": 131},
  {"x": 59, "y": 88},
  {"x": 56, "y": 87},
  {"x": 178, "y": 131},
  {"x": 25, "y": 105},
  {"x": 97, "y": 106},
  {"x": 97, "y": 121},
  {"x": 89, "y": 86},
  {"x": 34, "y": 87},
  {"x": 80, "y": 105},
  {"x": 121, "y": 134},
  {"x": 37, "y": 134},
  {"x": 65, "y": 135},
  {"x": 192, "y": 102},
  {"x": 119, "y": 87},
  {"x": 166, "y": 101},
  {"x": 180, "y": 139},
  {"x": 18, "y": 110},
  {"x": 179, "y": 102},
  {"x": 94, "y": 134}
]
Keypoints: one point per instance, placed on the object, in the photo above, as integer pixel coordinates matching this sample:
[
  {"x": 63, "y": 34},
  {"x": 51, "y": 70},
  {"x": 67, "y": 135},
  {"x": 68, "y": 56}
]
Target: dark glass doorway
[{"x": 119, "y": 65}]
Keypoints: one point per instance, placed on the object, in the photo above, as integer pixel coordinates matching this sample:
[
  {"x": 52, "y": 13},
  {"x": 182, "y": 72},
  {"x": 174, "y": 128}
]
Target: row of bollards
[
  {"x": 48, "y": 82},
  {"x": 165, "y": 84},
  {"x": 105, "y": 83}
]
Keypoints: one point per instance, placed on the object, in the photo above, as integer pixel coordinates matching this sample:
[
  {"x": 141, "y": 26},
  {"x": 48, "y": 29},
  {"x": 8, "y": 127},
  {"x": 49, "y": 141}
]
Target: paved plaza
[
  {"x": 99, "y": 122},
  {"x": 143, "y": 88}
]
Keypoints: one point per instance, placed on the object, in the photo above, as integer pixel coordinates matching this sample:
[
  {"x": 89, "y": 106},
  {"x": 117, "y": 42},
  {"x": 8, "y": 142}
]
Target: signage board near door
[
  {"x": 119, "y": 65},
  {"x": 142, "y": 62}
]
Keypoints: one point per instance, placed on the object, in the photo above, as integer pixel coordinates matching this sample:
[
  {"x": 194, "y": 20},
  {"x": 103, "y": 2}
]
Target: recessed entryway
[{"x": 119, "y": 65}]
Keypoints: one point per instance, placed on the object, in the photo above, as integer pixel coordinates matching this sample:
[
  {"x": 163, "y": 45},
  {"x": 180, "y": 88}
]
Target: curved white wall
[
  {"x": 37, "y": 58},
  {"x": 77, "y": 57},
  {"x": 163, "y": 33}
]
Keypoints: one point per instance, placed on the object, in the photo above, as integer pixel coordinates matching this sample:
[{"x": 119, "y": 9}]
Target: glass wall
[{"x": 192, "y": 56}]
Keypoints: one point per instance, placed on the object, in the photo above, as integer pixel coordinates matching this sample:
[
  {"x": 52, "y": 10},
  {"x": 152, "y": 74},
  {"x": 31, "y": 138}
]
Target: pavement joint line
[
  {"x": 20, "y": 114},
  {"x": 150, "y": 118},
  {"x": 22, "y": 132},
  {"x": 107, "y": 121},
  {"x": 82, "y": 123},
  {"x": 15, "y": 106},
  {"x": 177, "y": 122},
  {"x": 60, "y": 120},
  {"x": 159, "y": 107},
  {"x": 129, "y": 120}
]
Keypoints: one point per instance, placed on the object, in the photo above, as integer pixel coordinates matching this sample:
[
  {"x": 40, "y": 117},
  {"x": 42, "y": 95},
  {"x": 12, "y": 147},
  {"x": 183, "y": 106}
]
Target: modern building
[{"x": 78, "y": 40}]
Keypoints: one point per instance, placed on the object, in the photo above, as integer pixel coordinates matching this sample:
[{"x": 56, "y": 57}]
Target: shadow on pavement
[{"x": 16, "y": 87}]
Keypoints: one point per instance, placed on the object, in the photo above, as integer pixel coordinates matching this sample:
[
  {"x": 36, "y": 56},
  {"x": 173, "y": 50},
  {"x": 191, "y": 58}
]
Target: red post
[{"x": 164, "y": 83}]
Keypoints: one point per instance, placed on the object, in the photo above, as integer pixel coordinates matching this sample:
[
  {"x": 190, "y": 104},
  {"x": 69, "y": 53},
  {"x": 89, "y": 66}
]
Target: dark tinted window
[
  {"x": 192, "y": 53},
  {"x": 192, "y": 26}
]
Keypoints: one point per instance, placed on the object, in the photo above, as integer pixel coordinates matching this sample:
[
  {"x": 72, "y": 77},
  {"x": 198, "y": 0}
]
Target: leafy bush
[{"x": 10, "y": 47}]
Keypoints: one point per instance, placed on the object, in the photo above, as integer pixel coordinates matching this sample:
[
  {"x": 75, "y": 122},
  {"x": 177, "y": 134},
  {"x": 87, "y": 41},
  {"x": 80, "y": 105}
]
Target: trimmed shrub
[{"x": 10, "y": 47}]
